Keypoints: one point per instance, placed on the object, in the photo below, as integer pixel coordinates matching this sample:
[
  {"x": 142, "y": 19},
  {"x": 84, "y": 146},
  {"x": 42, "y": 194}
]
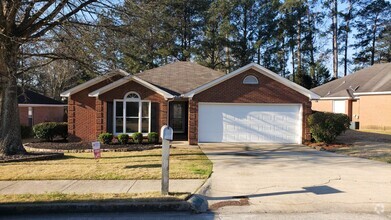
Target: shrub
[
  {"x": 49, "y": 130},
  {"x": 45, "y": 130},
  {"x": 61, "y": 130},
  {"x": 123, "y": 138},
  {"x": 153, "y": 138},
  {"x": 105, "y": 138},
  {"x": 26, "y": 131},
  {"x": 325, "y": 126},
  {"x": 137, "y": 137}
]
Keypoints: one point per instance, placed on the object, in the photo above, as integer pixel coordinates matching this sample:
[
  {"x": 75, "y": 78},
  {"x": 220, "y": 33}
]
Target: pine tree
[{"x": 371, "y": 22}]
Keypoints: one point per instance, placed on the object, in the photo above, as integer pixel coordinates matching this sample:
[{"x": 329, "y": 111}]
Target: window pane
[
  {"x": 131, "y": 109},
  {"x": 119, "y": 111},
  {"x": 145, "y": 125},
  {"x": 145, "y": 109},
  {"x": 131, "y": 125},
  {"x": 119, "y": 125}
]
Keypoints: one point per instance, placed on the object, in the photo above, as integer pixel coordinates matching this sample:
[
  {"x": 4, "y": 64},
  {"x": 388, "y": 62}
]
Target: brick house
[
  {"x": 35, "y": 108},
  {"x": 365, "y": 96},
  {"x": 251, "y": 104}
]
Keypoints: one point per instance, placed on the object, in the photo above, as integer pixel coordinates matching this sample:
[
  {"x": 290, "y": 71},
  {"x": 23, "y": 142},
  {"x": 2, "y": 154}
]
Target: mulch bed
[
  {"x": 75, "y": 147},
  {"x": 327, "y": 147},
  {"x": 30, "y": 156}
]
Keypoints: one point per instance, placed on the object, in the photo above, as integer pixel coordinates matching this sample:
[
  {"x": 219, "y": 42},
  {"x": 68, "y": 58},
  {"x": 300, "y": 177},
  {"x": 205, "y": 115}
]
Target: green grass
[
  {"x": 185, "y": 163},
  {"x": 92, "y": 197}
]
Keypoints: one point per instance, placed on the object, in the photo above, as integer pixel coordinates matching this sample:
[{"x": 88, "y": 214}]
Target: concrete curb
[{"x": 94, "y": 207}]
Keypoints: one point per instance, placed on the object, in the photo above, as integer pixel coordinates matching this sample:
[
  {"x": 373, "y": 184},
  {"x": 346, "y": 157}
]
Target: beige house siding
[
  {"x": 375, "y": 112},
  {"x": 322, "y": 105},
  {"x": 356, "y": 110}
]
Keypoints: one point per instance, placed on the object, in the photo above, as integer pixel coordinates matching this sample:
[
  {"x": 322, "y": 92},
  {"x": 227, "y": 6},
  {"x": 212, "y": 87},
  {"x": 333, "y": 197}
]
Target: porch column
[
  {"x": 307, "y": 111},
  {"x": 99, "y": 108},
  {"x": 71, "y": 119},
  {"x": 193, "y": 122}
]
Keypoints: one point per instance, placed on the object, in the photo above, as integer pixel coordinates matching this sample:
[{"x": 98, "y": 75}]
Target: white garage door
[{"x": 247, "y": 123}]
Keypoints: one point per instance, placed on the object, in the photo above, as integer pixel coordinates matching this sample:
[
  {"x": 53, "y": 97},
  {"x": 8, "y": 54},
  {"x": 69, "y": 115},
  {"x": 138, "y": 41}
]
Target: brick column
[
  {"x": 99, "y": 108},
  {"x": 71, "y": 119},
  {"x": 307, "y": 111},
  {"x": 193, "y": 122},
  {"x": 163, "y": 117}
]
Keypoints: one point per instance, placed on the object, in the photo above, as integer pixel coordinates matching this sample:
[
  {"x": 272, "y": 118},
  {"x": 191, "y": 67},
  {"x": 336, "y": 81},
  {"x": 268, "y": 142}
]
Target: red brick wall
[
  {"x": 82, "y": 114},
  {"x": 233, "y": 91},
  {"x": 23, "y": 116},
  {"x": 120, "y": 92},
  {"x": 42, "y": 114}
]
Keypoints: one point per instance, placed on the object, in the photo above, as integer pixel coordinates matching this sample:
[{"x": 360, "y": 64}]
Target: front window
[{"x": 132, "y": 115}]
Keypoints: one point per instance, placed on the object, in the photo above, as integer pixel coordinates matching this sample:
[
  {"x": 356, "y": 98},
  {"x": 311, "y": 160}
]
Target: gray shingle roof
[
  {"x": 376, "y": 78},
  {"x": 180, "y": 77}
]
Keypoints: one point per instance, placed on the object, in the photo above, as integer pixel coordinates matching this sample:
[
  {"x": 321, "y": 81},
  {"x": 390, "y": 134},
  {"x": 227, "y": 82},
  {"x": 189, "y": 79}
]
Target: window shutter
[
  {"x": 154, "y": 117},
  {"x": 109, "y": 117}
]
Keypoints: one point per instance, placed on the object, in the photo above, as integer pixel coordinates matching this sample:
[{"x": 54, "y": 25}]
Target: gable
[
  {"x": 260, "y": 70},
  {"x": 267, "y": 91}
]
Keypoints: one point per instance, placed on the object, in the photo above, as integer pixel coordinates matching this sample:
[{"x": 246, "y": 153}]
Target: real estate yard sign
[{"x": 96, "y": 149}]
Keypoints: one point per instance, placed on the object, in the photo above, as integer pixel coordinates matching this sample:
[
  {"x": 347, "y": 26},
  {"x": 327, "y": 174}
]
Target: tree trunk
[
  {"x": 345, "y": 72},
  {"x": 335, "y": 37},
  {"x": 373, "y": 42},
  {"x": 299, "y": 45},
  {"x": 10, "y": 137},
  {"x": 293, "y": 63}
]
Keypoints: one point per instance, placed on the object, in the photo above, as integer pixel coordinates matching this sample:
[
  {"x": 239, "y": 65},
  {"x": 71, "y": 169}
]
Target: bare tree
[{"x": 23, "y": 22}]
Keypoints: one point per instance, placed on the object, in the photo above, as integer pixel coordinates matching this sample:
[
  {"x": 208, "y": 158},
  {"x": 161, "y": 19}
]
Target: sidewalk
[{"x": 95, "y": 186}]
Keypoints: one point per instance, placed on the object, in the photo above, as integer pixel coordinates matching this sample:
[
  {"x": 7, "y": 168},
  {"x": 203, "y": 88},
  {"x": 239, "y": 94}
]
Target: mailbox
[{"x": 166, "y": 133}]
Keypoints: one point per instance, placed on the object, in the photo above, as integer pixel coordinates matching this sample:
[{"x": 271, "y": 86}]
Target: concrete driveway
[{"x": 294, "y": 179}]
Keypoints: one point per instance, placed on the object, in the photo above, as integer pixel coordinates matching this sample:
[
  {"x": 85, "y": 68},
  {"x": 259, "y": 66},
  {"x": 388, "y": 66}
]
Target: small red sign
[{"x": 97, "y": 153}]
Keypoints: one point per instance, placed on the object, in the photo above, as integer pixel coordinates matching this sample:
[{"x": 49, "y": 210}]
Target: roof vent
[{"x": 328, "y": 93}]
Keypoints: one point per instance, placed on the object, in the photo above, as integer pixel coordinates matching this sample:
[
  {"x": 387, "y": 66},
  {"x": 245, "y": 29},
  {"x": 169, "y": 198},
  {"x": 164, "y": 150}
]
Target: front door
[{"x": 178, "y": 117}]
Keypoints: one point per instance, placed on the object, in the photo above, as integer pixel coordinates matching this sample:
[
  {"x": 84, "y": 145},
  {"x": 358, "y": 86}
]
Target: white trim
[
  {"x": 373, "y": 93},
  {"x": 42, "y": 105},
  {"x": 266, "y": 72},
  {"x": 92, "y": 82},
  {"x": 140, "y": 118},
  {"x": 244, "y": 103},
  {"x": 336, "y": 98},
  {"x": 124, "y": 80}
]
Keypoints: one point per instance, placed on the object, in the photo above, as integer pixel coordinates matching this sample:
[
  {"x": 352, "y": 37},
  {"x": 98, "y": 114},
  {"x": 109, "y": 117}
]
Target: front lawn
[
  {"x": 185, "y": 163},
  {"x": 370, "y": 144}
]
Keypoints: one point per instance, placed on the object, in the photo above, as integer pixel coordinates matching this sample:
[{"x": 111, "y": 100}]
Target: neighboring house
[
  {"x": 35, "y": 108},
  {"x": 365, "y": 96},
  {"x": 251, "y": 104}
]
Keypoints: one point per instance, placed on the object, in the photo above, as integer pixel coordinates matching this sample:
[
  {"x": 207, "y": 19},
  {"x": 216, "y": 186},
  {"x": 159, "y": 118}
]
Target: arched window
[
  {"x": 250, "y": 79},
  {"x": 132, "y": 96},
  {"x": 131, "y": 114}
]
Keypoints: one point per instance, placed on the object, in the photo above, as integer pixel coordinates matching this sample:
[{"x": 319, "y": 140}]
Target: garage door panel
[{"x": 249, "y": 123}]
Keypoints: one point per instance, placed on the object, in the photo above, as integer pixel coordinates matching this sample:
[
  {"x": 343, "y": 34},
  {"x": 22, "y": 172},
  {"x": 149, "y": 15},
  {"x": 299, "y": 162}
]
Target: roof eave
[
  {"x": 92, "y": 82},
  {"x": 372, "y": 93},
  {"x": 122, "y": 81}
]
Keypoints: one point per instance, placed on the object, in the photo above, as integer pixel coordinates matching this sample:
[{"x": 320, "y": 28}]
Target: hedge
[
  {"x": 49, "y": 130},
  {"x": 326, "y": 126}
]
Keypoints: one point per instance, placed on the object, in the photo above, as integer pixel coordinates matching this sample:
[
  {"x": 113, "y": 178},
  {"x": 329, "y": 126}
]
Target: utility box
[
  {"x": 166, "y": 133},
  {"x": 354, "y": 125}
]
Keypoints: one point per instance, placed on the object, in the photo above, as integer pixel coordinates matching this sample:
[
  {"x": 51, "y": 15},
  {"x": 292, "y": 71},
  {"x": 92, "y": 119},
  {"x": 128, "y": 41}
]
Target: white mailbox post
[{"x": 166, "y": 133}]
